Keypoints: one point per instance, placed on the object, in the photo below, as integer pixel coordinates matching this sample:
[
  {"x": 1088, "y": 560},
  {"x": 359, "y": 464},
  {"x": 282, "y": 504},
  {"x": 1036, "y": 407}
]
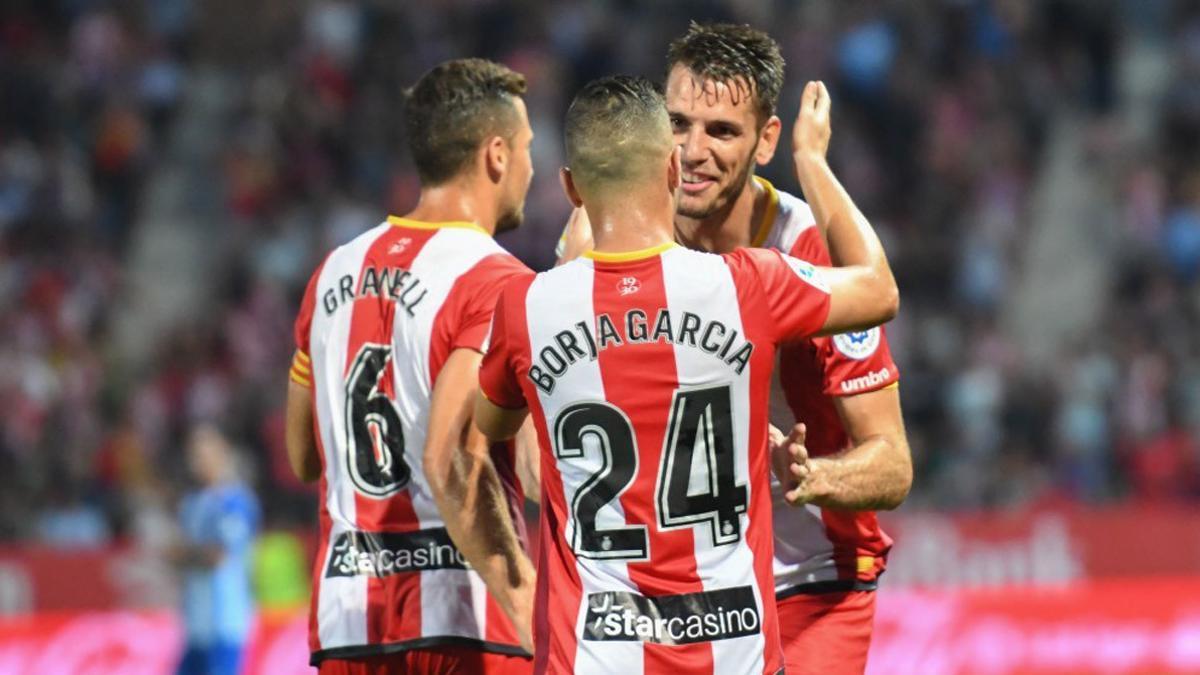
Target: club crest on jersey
[
  {"x": 628, "y": 285},
  {"x": 399, "y": 246},
  {"x": 858, "y": 345}
]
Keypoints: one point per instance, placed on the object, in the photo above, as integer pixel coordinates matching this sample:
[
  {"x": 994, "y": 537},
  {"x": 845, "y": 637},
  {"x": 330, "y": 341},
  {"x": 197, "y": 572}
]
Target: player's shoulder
[{"x": 793, "y": 219}]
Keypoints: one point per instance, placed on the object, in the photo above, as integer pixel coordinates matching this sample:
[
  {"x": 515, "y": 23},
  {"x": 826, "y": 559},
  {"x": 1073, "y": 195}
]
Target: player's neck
[
  {"x": 727, "y": 229},
  {"x": 624, "y": 225},
  {"x": 455, "y": 202}
]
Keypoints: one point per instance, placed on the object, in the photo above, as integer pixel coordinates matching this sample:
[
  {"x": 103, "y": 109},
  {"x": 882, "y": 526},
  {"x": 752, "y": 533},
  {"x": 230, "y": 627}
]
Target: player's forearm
[
  {"x": 529, "y": 468},
  {"x": 473, "y": 506},
  {"x": 873, "y": 475},
  {"x": 851, "y": 239}
]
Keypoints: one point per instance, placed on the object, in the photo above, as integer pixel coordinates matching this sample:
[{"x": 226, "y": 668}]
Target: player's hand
[
  {"x": 789, "y": 457},
  {"x": 810, "y": 134},
  {"x": 576, "y": 238}
]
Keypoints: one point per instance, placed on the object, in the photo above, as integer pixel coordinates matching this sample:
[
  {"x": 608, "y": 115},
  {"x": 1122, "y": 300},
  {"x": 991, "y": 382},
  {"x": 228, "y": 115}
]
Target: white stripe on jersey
[
  {"x": 342, "y": 602},
  {"x": 703, "y": 284},
  {"x": 581, "y": 382}
]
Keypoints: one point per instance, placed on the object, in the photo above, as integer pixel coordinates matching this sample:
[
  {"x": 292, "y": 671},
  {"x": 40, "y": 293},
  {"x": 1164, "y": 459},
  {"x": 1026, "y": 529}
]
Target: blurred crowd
[{"x": 942, "y": 111}]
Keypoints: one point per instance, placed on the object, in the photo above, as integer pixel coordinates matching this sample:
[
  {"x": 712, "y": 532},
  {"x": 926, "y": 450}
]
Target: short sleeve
[
  {"x": 480, "y": 292},
  {"x": 497, "y": 374},
  {"x": 301, "y": 371},
  {"x": 856, "y": 362},
  {"x": 795, "y": 293}
]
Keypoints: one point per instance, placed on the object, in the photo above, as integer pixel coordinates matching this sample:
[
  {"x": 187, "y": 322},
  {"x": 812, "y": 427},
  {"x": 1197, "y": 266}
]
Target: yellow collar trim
[
  {"x": 626, "y": 256},
  {"x": 422, "y": 225},
  {"x": 768, "y": 220}
]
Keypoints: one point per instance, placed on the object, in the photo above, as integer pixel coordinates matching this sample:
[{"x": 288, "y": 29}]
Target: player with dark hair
[
  {"x": 388, "y": 344},
  {"x": 646, "y": 369},
  {"x": 723, "y": 84}
]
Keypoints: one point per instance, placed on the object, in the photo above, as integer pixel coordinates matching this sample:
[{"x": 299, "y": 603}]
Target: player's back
[
  {"x": 378, "y": 320},
  {"x": 647, "y": 377}
]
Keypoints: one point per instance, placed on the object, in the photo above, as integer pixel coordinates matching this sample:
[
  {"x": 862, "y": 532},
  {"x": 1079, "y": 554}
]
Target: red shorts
[
  {"x": 827, "y": 633},
  {"x": 431, "y": 661}
]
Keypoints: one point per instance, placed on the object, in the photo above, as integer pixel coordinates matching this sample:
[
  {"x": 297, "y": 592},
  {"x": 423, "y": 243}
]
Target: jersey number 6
[{"x": 375, "y": 441}]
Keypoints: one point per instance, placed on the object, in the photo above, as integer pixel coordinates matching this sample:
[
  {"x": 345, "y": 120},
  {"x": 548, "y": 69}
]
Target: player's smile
[{"x": 695, "y": 183}]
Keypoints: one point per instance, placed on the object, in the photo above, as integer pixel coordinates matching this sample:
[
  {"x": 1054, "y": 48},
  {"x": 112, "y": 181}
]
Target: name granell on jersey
[
  {"x": 392, "y": 283},
  {"x": 636, "y": 327}
]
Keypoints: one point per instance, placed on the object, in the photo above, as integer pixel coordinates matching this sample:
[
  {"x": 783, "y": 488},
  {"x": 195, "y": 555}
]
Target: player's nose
[{"x": 694, "y": 149}]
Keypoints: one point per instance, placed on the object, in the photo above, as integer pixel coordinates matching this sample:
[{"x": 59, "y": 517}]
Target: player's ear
[
  {"x": 568, "y": 184},
  {"x": 675, "y": 169},
  {"x": 495, "y": 158},
  {"x": 768, "y": 140}
]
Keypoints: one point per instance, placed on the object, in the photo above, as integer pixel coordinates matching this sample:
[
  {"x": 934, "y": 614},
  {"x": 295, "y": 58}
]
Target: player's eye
[
  {"x": 722, "y": 131},
  {"x": 678, "y": 124}
]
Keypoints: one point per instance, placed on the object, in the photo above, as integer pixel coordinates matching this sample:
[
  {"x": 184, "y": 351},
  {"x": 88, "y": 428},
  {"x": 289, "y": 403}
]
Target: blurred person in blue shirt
[{"x": 219, "y": 521}]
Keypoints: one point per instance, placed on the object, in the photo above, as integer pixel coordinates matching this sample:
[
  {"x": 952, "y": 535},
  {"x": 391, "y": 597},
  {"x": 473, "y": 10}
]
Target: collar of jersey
[
  {"x": 768, "y": 220},
  {"x": 422, "y": 225},
  {"x": 627, "y": 256}
]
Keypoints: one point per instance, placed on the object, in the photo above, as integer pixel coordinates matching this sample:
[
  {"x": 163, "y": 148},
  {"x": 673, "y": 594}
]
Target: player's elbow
[
  {"x": 901, "y": 478},
  {"x": 303, "y": 460},
  {"x": 889, "y": 299},
  {"x": 306, "y": 473}
]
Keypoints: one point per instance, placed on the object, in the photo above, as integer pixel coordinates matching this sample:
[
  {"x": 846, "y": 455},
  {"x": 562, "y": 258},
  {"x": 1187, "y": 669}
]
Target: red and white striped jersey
[
  {"x": 378, "y": 320},
  {"x": 819, "y": 548},
  {"x": 647, "y": 376}
]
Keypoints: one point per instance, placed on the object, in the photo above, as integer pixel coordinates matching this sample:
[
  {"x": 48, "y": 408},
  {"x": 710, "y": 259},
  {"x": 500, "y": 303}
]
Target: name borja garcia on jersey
[{"x": 635, "y": 327}]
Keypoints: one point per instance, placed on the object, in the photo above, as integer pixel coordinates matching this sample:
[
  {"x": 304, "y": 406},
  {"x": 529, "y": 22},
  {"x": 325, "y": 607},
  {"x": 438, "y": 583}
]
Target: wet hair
[{"x": 736, "y": 55}]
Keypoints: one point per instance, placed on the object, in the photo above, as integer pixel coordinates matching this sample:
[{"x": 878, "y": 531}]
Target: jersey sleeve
[
  {"x": 301, "y": 371},
  {"x": 480, "y": 292},
  {"x": 498, "y": 372},
  {"x": 856, "y": 362},
  {"x": 851, "y": 363},
  {"x": 796, "y": 296}
]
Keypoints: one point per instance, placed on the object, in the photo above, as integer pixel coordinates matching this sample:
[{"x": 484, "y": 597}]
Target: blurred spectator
[{"x": 219, "y": 522}]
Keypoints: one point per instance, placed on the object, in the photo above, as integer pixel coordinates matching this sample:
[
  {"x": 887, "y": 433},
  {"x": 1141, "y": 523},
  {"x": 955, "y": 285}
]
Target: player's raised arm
[
  {"x": 469, "y": 494},
  {"x": 863, "y": 290}
]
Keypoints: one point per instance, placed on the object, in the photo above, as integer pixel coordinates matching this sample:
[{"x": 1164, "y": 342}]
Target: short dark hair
[
  {"x": 615, "y": 128},
  {"x": 453, "y": 108},
  {"x": 733, "y": 54}
]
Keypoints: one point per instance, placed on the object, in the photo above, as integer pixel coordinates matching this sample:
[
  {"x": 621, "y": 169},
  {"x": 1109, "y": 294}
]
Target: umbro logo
[
  {"x": 399, "y": 246},
  {"x": 629, "y": 285}
]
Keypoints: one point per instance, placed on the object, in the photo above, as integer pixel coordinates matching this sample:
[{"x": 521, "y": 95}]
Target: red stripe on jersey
[
  {"x": 372, "y": 322},
  {"x": 563, "y": 602},
  {"x": 647, "y": 399},
  {"x": 759, "y": 535}
]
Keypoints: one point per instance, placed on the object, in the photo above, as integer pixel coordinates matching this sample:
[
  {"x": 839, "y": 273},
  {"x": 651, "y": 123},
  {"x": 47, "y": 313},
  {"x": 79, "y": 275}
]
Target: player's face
[
  {"x": 716, "y": 127},
  {"x": 519, "y": 175}
]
